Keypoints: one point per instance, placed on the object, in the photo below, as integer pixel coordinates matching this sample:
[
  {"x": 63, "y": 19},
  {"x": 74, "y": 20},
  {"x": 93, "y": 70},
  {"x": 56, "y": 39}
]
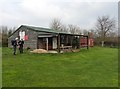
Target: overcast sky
[{"x": 40, "y": 12}]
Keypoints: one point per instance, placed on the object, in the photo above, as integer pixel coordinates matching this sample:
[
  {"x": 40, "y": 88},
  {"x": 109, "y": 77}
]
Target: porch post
[
  {"x": 71, "y": 39},
  {"x": 87, "y": 42},
  {"x": 46, "y": 43},
  {"x": 79, "y": 42},
  {"x": 59, "y": 43}
]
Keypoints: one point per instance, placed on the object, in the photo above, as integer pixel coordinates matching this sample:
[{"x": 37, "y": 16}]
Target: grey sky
[{"x": 41, "y": 12}]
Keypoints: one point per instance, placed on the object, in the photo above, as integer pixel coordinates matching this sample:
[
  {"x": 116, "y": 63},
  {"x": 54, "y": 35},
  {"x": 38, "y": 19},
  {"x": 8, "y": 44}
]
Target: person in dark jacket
[
  {"x": 21, "y": 43},
  {"x": 14, "y": 44}
]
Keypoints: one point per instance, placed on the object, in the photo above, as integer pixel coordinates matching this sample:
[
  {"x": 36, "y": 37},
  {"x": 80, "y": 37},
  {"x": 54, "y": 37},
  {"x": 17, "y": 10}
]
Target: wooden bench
[{"x": 66, "y": 48}]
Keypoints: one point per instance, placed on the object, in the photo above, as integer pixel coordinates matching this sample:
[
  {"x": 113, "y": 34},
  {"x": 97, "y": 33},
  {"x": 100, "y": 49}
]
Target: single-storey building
[{"x": 44, "y": 38}]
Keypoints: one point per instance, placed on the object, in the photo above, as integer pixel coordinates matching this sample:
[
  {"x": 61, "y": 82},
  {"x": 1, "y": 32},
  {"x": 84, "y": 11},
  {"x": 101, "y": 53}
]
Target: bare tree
[
  {"x": 103, "y": 26},
  {"x": 74, "y": 29},
  {"x": 64, "y": 28},
  {"x": 11, "y": 30},
  {"x": 4, "y": 29},
  {"x": 85, "y": 32},
  {"x": 78, "y": 31},
  {"x": 56, "y": 24},
  {"x": 5, "y": 33},
  {"x": 94, "y": 32},
  {"x": 0, "y": 37}
]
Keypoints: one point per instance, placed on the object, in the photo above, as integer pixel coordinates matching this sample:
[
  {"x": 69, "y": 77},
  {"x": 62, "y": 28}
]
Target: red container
[{"x": 83, "y": 42}]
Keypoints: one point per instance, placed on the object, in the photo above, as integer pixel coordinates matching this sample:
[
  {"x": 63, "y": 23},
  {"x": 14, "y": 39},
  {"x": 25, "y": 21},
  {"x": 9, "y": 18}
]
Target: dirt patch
[
  {"x": 39, "y": 51},
  {"x": 76, "y": 50}
]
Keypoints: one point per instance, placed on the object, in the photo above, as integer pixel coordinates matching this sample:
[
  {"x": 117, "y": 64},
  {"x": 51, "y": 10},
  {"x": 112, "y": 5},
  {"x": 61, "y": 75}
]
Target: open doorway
[{"x": 42, "y": 43}]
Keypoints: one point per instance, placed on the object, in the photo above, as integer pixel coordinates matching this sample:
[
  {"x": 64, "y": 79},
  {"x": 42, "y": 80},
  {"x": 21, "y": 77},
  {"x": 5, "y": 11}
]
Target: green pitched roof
[{"x": 44, "y": 29}]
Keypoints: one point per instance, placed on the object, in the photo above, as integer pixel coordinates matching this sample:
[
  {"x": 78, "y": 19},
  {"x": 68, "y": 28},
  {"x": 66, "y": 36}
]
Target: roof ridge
[
  {"x": 41, "y": 29},
  {"x": 37, "y": 27},
  {"x": 44, "y": 28}
]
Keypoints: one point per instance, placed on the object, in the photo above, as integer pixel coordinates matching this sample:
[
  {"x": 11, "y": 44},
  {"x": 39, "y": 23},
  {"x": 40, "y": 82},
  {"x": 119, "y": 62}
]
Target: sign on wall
[{"x": 26, "y": 37}]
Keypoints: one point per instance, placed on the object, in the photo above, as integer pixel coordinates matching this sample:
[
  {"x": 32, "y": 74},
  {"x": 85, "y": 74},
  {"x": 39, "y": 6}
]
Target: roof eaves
[{"x": 40, "y": 29}]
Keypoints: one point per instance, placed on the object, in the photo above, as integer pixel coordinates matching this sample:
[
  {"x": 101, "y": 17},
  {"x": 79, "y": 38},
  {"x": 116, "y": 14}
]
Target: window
[{"x": 22, "y": 34}]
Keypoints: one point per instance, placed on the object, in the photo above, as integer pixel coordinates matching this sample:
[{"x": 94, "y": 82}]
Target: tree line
[
  {"x": 105, "y": 31},
  {"x": 5, "y": 32}
]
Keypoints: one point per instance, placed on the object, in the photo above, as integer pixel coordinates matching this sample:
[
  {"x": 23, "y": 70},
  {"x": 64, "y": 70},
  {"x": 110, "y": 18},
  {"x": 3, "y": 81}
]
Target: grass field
[{"x": 88, "y": 68}]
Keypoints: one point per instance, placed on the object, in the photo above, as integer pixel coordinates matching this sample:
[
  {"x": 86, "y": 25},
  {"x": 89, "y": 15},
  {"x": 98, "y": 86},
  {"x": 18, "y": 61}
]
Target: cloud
[{"x": 41, "y": 12}]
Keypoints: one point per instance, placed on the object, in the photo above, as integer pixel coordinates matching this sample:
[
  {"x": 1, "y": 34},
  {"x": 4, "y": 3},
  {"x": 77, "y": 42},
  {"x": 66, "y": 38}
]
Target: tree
[
  {"x": 11, "y": 30},
  {"x": 5, "y": 32},
  {"x": 56, "y": 24},
  {"x": 104, "y": 25},
  {"x": 64, "y": 28},
  {"x": 4, "y": 29},
  {"x": 74, "y": 29},
  {"x": 0, "y": 38},
  {"x": 85, "y": 32},
  {"x": 94, "y": 32}
]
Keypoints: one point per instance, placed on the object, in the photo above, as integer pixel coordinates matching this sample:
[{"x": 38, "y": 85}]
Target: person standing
[
  {"x": 14, "y": 44},
  {"x": 21, "y": 43}
]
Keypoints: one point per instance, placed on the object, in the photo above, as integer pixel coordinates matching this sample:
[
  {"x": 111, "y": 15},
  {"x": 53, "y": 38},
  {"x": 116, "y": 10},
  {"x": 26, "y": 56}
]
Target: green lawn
[{"x": 88, "y": 68}]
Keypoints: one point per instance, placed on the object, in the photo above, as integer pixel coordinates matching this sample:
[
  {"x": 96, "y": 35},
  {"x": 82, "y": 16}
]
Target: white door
[{"x": 54, "y": 42}]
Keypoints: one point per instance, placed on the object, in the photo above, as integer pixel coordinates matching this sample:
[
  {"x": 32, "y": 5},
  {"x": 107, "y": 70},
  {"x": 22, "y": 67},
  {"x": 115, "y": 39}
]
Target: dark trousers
[
  {"x": 14, "y": 50},
  {"x": 21, "y": 49}
]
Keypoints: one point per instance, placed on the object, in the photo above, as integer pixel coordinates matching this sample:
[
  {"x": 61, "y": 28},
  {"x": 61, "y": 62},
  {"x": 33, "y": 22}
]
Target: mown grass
[{"x": 96, "y": 67}]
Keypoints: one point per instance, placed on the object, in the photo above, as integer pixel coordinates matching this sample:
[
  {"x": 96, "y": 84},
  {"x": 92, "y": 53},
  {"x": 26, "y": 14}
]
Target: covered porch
[
  {"x": 70, "y": 42},
  {"x": 60, "y": 42}
]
